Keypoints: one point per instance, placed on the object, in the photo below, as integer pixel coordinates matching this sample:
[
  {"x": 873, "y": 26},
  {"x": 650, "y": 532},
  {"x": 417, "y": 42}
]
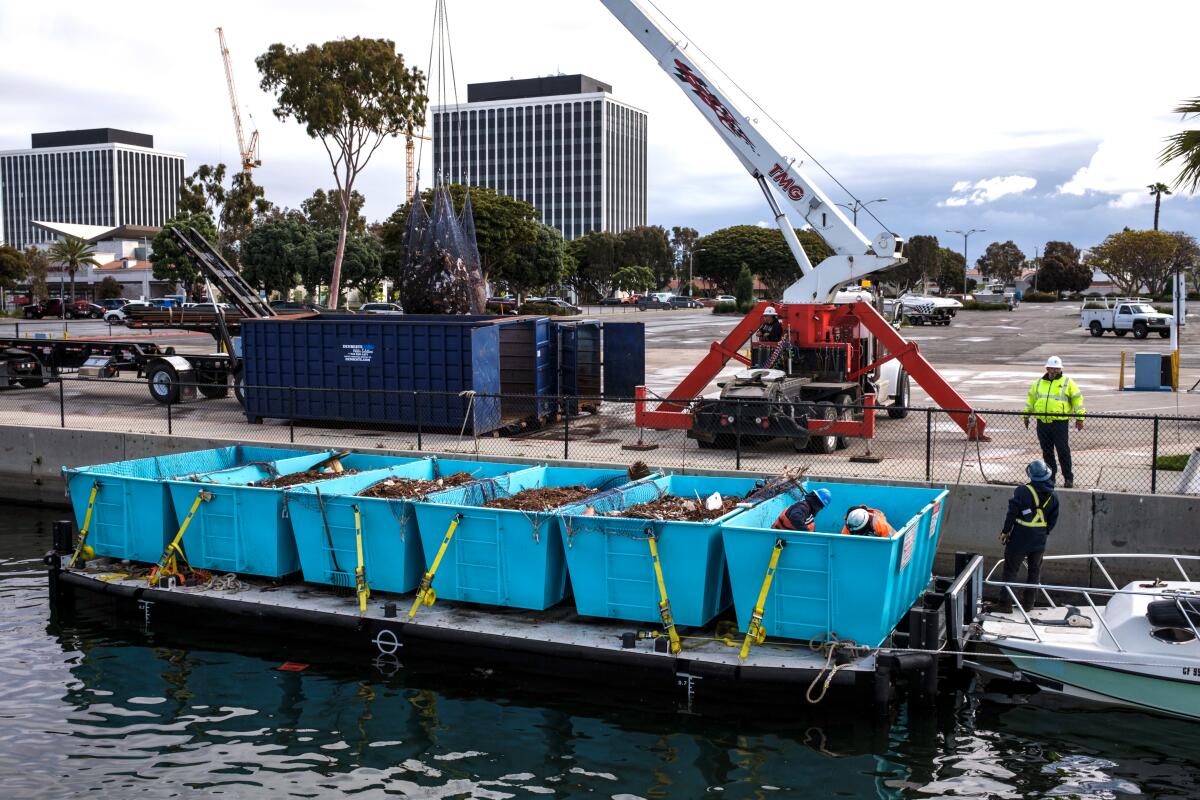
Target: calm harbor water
[{"x": 90, "y": 710}]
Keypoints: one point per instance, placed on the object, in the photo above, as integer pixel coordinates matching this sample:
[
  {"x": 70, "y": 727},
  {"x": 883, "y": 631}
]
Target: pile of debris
[
  {"x": 307, "y": 476},
  {"x": 542, "y": 499},
  {"x": 413, "y": 488},
  {"x": 680, "y": 509}
]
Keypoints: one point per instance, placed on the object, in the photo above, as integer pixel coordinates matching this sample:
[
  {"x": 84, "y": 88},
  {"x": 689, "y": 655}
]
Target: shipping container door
[{"x": 624, "y": 358}]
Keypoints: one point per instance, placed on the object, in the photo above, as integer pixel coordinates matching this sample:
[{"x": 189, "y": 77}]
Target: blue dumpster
[
  {"x": 498, "y": 556},
  {"x": 244, "y": 528},
  {"x": 322, "y": 517},
  {"x": 133, "y": 516},
  {"x": 829, "y": 584},
  {"x": 608, "y": 557}
]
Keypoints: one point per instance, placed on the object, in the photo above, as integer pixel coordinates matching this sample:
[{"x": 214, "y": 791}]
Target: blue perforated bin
[
  {"x": 608, "y": 557},
  {"x": 133, "y": 516},
  {"x": 827, "y": 583},
  {"x": 322, "y": 517},
  {"x": 501, "y": 557},
  {"x": 244, "y": 528}
]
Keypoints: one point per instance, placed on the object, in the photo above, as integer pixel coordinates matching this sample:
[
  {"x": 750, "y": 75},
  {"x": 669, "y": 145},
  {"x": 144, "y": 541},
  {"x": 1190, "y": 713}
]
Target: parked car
[
  {"x": 658, "y": 300},
  {"x": 289, "y": 307},
  {"x": 380, "y": 308},
  {"x": 96, "y": 311},
  {"x": 685, "y": 302},
  {"x": 119, "y": 314},
  {"x": 612, "y": 301},
  {"x": 558, "y": 303},
  {"x": 109, "y": 303},
  {"x": 505, "y": 302}
]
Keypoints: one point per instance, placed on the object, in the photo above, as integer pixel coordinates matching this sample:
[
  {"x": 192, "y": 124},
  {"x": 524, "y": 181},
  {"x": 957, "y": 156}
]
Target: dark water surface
[{"x": 90, "y": 710}]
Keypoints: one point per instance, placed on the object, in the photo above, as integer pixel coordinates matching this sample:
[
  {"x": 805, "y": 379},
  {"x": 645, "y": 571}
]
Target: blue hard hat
[
  {"x": 824, "y": 496},
  {"x": 1038, "y": 471}
]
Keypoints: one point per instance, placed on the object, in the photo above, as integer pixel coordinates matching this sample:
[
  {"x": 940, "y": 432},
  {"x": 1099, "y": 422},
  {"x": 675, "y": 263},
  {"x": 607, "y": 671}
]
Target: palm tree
[
  {"x": 1185, "y": 146},
  {"x": 1157, "y": 190},
  {"x": 72, "y": 252}
]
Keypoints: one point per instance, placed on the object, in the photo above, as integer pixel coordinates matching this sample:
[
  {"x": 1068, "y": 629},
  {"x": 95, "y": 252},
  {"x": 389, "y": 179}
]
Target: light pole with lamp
[
  {"x": 858, "y": 205},
  {"x": 966, "y": 235},
  {"x": 691, "y": 258}
]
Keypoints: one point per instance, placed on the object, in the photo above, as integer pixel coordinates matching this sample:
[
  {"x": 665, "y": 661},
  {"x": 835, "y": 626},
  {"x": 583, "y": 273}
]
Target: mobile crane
[{"x": 841, "y": 359}]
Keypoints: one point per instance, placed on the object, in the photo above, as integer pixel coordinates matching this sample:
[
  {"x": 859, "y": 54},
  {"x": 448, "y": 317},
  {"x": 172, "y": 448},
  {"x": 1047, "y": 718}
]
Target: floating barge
[{"x": 798, "y": 648}]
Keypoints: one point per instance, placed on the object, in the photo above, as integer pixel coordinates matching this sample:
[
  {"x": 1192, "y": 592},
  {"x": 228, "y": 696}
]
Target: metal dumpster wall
[
  {"x": 526, "y": 369},
  {"x": 385, "y": 370}
]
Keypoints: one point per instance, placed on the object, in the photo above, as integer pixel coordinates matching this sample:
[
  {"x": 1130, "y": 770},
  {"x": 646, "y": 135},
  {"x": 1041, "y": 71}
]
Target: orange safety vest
[
  {"x": 877, "y": 526},
  {"x": 784, "y": 523}
]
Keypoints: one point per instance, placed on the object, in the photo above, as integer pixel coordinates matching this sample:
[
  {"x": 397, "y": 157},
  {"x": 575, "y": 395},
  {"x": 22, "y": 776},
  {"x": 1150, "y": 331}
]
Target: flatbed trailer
[{"x": 170, "y": 376}]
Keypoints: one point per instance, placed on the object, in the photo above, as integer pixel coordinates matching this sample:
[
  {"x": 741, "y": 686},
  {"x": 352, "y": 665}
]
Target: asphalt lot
[{"x": 990, "y": 357}]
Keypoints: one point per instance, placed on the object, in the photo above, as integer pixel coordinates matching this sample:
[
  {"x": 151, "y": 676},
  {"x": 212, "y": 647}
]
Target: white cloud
[
  {"x": 987, "y": 190},
  {"x": 1122, "y": 166}
]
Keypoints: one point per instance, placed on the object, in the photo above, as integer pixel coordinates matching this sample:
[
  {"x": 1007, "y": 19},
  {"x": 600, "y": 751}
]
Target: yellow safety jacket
[
  {"x": 1054, "y": 400},
  {"x": 1038, "y": 517}
]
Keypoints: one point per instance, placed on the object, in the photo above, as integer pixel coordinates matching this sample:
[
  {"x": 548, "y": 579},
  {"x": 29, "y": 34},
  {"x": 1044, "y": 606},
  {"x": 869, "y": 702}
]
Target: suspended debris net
[{"x": 441, "y": 273}]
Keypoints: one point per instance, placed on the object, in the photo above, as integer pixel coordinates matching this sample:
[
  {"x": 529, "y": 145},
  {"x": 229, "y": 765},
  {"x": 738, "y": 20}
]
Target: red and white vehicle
[{"x": 839, "y": 360}]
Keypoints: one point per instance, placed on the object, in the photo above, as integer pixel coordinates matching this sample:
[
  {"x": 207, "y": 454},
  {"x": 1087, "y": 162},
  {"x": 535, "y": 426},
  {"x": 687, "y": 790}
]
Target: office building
[
  {"x": 560, "y": 143},
  {"x": 100, "y": 177}
]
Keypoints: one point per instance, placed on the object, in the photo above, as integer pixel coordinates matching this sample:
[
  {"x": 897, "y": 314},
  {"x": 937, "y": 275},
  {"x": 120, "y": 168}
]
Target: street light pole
[
  {"x": 691, "y": 258},
  {"x": 858, "y": 204},
  {"x": 966, "y": 235}
]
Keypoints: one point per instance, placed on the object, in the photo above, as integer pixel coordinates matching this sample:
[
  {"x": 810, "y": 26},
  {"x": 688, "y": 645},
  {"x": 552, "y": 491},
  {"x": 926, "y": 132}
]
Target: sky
[{"x": 1031, "y": 120}]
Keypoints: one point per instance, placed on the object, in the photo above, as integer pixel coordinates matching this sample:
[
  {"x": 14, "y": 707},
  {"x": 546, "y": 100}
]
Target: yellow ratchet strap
[
  {"x": 664, "y": 605},
  {"x": 360, "y": 573},
  {"x": 755, "y": 633},
  {"x": 168, "y": 562},
  {"x": 87, "y": 523},
  {"x": 425, "y": 594}
]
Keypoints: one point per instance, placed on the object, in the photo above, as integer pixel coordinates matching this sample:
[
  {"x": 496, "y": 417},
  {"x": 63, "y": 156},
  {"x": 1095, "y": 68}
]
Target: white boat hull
[{"x": 1162, "y": 689}]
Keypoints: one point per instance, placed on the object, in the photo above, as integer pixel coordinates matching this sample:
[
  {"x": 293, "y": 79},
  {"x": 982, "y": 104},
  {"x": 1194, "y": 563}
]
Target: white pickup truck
[{"x": 1122, "y": 315}]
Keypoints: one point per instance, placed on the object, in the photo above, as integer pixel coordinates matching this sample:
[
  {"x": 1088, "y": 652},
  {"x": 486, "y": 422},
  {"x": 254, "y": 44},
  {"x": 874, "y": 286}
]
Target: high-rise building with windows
[
  {"x": 103, "y": 176},
  {"x": 560, "y": 143}
]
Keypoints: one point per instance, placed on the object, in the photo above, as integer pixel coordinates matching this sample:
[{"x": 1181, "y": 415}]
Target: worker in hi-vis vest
[
  {"x": 1055, "y": 400},
  {"x": 1032, "y": 514}
]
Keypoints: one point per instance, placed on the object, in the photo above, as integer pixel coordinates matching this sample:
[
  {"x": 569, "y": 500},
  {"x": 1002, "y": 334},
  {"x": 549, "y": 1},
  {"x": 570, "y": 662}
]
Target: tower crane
[
  {"x": 837, "y": 361},
  {"x": 409, "y": 161},
  {"x": 247, "y": 152}
]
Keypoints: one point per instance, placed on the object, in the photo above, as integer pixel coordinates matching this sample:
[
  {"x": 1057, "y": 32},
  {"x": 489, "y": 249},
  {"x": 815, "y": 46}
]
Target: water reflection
[{"x": 89, "y": 708}]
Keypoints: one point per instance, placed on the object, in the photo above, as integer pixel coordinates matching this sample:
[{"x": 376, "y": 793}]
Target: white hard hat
[
  {"x": 857, "y": 519},
  {"x": 1053, "y": 362},
  {"x": 770, "y": 312}
]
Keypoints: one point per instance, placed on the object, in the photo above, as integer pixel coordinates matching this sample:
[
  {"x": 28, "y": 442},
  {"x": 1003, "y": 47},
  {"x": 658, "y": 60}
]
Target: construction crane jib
[
  {"x": 247, "y": 152},
  {"x": 855, "y": 256}
]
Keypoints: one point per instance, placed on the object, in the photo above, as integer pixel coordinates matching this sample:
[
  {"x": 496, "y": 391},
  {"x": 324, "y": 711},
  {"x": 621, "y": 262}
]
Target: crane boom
[
  {"x": 854, "y": 254},
  {"x": 248, "y": 154}
]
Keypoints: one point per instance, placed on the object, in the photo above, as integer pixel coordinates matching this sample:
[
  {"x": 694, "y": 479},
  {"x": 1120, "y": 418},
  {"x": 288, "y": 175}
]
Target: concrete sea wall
[{"x": 31, "y": 459}]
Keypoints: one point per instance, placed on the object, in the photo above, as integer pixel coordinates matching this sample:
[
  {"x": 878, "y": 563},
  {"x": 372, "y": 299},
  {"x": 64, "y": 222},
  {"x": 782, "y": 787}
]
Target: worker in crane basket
[
  {"x": 1054, "y": 400},
  {"x": 1032, "y": 514},
  {"x": 802, "y": 515},
  {"x": 867, "y": 521}
]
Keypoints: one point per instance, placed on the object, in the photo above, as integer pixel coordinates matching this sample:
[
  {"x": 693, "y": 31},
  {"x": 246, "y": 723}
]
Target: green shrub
[
  {"x": 1164, "y": 309},
  {"x": 975, "y": 305},
  {"x": 725, "y": 308},
  {"x": 1039, "y": 297},
  {"x": 743, "y": 289},
  {"x": 1174, "y": 463},
  {"x": 544, "y": 310}
]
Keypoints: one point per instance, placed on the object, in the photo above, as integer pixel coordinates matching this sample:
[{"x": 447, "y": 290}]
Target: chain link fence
[{"x": 1113, "y": 452}]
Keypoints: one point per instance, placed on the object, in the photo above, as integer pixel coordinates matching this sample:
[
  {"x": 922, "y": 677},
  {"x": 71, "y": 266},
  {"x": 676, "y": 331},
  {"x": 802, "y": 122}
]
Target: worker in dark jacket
[
  {"x": 771, "y": 329},
  {"x": 1032, "y": 514},
  {"x": 802, "y": 516}
]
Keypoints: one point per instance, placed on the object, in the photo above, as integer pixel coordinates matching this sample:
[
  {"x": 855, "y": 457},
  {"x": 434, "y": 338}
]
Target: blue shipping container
[
  {"x": 398, "y": 370},
  {"x": 827, "y": 583}
]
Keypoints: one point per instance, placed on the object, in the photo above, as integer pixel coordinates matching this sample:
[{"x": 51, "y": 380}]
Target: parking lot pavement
[{"x": 990, "y": 357}]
